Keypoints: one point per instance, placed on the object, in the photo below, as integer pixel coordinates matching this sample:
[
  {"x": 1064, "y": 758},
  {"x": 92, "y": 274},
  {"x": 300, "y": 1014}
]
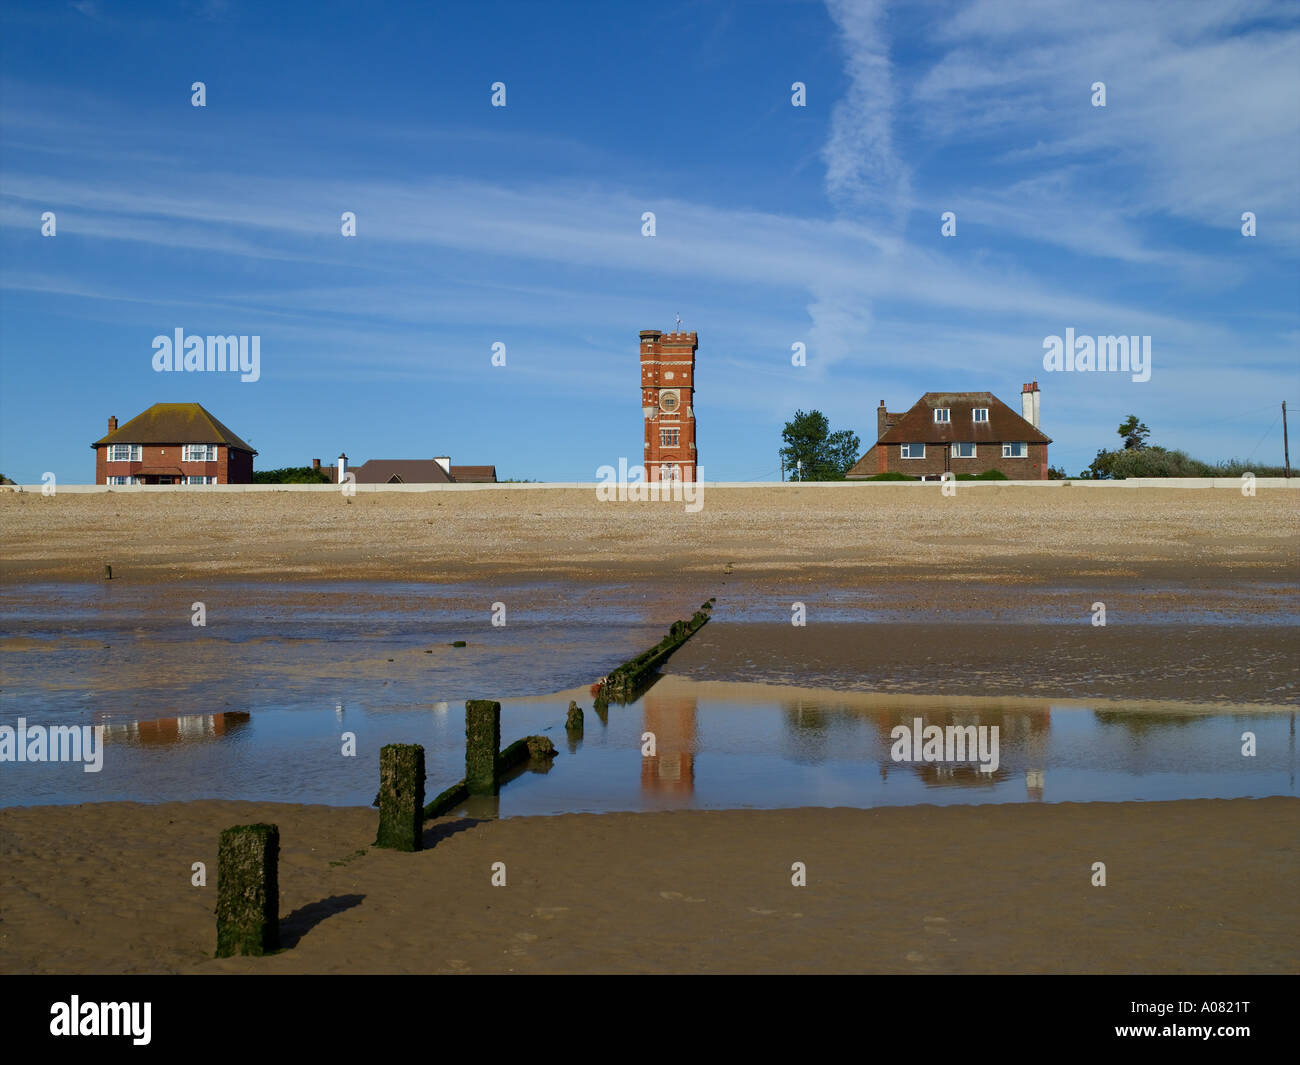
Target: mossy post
[
  {"x": 482, "y": 743},
  {"x": 401, "y": 797},
  {"x": 573, "y": 723},
  {"x": 248, "y": 890}
]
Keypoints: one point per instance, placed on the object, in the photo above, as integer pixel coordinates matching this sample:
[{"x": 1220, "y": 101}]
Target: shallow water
[
  {"x": 255, "y": 704},
  {"x": 718, "y": 746}
]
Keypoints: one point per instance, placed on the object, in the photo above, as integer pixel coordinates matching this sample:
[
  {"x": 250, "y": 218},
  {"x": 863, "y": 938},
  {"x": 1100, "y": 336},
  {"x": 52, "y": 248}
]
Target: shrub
[{"x": 293, "y": 475}]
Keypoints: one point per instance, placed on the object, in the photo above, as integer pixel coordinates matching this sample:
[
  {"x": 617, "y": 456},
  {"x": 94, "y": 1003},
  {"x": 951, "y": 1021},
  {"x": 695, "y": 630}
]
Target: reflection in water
[
  {"x": 1022, "y": 734},
  {"x": 189, "y": 728},
  {"x": 718, "y": 746},
  {"x": 1139, "y": 723},
  {"x": 671, "y": 769}
]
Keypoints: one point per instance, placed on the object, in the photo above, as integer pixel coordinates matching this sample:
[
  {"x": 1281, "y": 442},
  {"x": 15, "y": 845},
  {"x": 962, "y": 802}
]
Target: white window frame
[
  {"x": 189, "y": 454},
  {"x": 132, "y": 450},
  {"x": 975, "y": 415},
  {"x": 117, "y": 479},
  {"x": 665, "y": 433},
  {"x": 903, "y": 449},
  {"x": 947, "y": 415},
  {"x": 198, "y": 480},
  {"x": 1008, "y": 453},
  {"x": 958, "y": 455}
]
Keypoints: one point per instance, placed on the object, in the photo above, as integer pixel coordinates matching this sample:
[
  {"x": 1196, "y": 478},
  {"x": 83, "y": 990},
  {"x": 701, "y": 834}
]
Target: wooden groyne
[
  {"x": 485, "y": 765},
  {"x": 626, "y": 682}
]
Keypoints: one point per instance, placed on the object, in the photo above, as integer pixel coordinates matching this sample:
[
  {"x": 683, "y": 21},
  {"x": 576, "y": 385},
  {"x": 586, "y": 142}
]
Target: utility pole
[
  {"x": 781, "y": 458},
  {"x": 1286, "y": 448}
]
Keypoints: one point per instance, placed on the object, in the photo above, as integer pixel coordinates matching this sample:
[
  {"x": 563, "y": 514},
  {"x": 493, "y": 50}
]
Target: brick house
[
  {"x": 172, "y": 443},
  {"x": 964, "y": 432}
]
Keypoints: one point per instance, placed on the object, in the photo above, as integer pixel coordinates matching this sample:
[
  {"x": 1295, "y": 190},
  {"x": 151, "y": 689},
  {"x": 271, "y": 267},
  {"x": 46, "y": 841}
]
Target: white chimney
[
  {"x": 343, "y": 467},
  {"x": 1029, "y": 409},
  {"x": 445, "y": 462}
]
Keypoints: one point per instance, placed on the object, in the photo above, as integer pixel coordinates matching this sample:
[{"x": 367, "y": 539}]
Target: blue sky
[{"x": 521, "y": 224}]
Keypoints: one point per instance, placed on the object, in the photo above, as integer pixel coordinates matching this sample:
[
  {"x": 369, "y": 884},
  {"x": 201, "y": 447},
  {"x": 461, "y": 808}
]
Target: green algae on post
[
  {"x": 401, "y": 797},
  {"x": 248, "y": 890},
  {"x": 625, "y": 682},
  {"x": 530, "y": 748},
  {"x": 482, "y": 743},
  {"x": 573, "y": 722}
]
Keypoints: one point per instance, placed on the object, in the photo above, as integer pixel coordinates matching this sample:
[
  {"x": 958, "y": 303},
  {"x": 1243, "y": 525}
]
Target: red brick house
[
  {"x": 172, "y": 443},
  {"x": 961, "y": 432}
]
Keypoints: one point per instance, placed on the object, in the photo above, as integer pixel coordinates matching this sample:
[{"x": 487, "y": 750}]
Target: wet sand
[{"x": 1192, "y": 887}]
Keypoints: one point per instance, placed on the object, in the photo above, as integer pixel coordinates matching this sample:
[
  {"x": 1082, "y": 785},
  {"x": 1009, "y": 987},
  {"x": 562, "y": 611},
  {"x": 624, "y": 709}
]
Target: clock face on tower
[{"x": 668, "y": 401}]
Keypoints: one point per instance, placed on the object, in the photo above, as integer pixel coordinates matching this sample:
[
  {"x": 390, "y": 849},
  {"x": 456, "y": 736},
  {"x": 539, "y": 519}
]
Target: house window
[
  {"x": 200, "y": 480},
  {"x": 199, "y": 453},
  {"x": 963, "y": 451},
  {"x": 942, "y": 415},
  {"x": 668, "y": 437},
  {"x": 123, "y": 452},
  {"x": 119, "y": 480},
  {"x": 913, "y": 451},
  {"x": 1015, "y": 451},
  {"x": 980, "y": 414}
]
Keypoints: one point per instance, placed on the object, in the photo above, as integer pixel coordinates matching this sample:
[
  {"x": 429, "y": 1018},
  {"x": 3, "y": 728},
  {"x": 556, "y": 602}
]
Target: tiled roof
[
  {"x": 400, "y": 471},
  {"x": 918, "y": 426},
  {"x": 474, "y": 474},
  {"x": 174, "y": 423}
]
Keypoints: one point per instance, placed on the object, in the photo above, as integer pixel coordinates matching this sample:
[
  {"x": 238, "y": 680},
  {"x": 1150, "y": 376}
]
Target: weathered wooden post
[
  {"x": 573, "y": 723},
  {"x": 248, "y": 890},
  {"x": 482, "y": 743},
  {"x": 401, "y": 797}
]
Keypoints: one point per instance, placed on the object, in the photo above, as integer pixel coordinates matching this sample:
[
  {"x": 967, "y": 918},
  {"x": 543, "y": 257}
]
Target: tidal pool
[{"x": 716, "y": 746}]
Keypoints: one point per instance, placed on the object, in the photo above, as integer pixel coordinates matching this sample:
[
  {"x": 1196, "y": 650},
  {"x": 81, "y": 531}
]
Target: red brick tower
[{"x": 668, "y": 402}]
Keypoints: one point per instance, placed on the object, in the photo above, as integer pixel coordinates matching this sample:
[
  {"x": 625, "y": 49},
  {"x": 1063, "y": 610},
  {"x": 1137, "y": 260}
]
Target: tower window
[{"x": 668, "y": 437}]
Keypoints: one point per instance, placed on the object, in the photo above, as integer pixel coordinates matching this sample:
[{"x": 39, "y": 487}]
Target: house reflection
[
  {"x": 166, "y": 731},
  {"x": 1022, "y": 747},
  {"x": 671, "y": 770},
  {"x": 1023, "y": 733}
]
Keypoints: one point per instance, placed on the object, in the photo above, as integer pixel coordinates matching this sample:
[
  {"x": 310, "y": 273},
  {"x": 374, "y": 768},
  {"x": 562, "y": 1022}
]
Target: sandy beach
[
  {"x": 844, "y": 535},
  {"x": 986, "y": 594},
  {"x": 1192, "y": 887}
]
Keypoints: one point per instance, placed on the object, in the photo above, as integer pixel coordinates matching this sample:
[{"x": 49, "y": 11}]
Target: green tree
[
  {"x": 813, "y": 453},
  {"x": 1134, "y": 432}
]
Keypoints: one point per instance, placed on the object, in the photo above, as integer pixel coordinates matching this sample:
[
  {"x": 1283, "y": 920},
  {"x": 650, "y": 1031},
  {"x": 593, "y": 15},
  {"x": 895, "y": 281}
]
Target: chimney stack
[
  {"x": 315, "y": 464},
  {"x": 1029, "y": 403},
  {"x": 445, "y": 462},
  {"x": 112, "y": 422},
  {"x": 343, "y": 467}
]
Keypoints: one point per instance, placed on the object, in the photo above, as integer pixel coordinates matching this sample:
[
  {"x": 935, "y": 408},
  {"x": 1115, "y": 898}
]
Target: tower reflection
[{"x": 671, "y": 769}]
